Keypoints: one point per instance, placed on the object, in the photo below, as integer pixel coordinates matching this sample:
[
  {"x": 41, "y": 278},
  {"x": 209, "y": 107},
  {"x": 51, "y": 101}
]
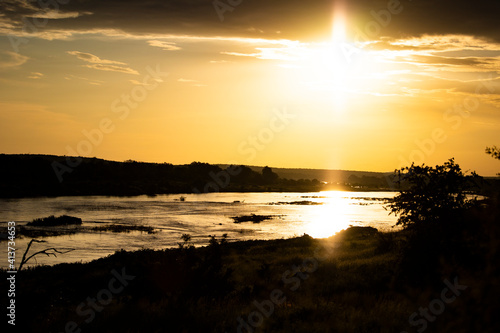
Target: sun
[{"x": 328, "y": 63}]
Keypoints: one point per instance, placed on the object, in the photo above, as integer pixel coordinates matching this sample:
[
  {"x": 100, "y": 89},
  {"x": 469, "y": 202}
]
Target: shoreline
[{"x": 249, "y": 190}]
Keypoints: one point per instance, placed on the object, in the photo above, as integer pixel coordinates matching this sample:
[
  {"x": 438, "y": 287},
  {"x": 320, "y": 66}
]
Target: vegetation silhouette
[
  {"x": 55, "y": 221},
  {"x": 494, "y": 152},
  {"x": 433, "y": 194},
  {"x": 33, "y": 175}
]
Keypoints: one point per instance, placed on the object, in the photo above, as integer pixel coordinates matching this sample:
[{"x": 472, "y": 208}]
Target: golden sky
[{"x": 359, "y": 85}]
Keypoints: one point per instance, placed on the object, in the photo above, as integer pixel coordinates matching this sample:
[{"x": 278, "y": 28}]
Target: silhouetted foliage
[
  {"x": 269, "y": 176},
  {"x": 186, "y": 242},
  {"x": 432, "y": 194},
  {"x": 55, "y": 221},
  {"x": 493, "y": 151}
]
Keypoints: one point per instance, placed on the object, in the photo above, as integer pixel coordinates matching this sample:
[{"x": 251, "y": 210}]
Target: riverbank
[{"x": 356, "y": 281}]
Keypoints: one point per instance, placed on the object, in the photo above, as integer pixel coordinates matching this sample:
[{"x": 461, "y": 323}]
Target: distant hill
[
  {"x": 30, "y": 175},
  {"x": 323, "y": 175}
]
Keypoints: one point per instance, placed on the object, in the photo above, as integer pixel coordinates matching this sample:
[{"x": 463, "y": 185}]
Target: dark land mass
[
  {"x": 352, "y": 177},
  {"x": 49, "y": 175}
]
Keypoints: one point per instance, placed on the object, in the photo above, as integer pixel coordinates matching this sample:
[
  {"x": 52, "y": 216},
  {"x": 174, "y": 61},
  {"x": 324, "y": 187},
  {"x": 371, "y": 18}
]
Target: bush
[{"x": 430, "y": 195}]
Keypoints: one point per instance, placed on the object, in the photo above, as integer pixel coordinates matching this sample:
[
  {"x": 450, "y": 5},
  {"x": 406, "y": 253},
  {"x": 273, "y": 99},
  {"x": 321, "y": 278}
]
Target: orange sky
[{"x": 351, "y": 89}]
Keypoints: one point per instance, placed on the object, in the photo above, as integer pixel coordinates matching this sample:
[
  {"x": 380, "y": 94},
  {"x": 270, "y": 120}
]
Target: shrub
[{"x": 432, "y": 194}]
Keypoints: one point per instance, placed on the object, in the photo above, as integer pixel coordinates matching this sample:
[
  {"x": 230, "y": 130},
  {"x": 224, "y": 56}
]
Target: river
[{"x": 318, "y": 214}]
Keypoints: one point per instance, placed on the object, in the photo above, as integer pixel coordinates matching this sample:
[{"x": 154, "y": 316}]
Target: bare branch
[{"x": 47, "y": 252}]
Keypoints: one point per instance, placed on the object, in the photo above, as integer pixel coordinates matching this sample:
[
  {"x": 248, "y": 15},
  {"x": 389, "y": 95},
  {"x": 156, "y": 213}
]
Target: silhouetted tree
[
  {"x": 493, "y": 151},
  {"x": 50, "y": 251},
  {"x": 269, "y": 176},
  {"x": 432, "y": 194}
]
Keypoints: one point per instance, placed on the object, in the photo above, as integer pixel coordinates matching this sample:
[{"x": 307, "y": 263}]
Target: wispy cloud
[
  {"x": 103, "y": 64},
  {"x": 11, "y": 59},
  {"x": 218, "y": 61},
  {"x": 167, "y": 46},
  {"x": 138, "y": 83},
  {"x": 93, "y": 82},
  {"x": 194, "y": 83},
  {"x": 93, "y": 58},
  {"x": 58, "y": 15},
  {"x": 35, "y": 75},
  {"x": 113, "y": 68}
]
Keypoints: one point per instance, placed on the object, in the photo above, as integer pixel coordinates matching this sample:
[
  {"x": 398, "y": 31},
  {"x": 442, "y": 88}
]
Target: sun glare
[
  {"x": 340, "y": 70},
  {"x": 331, "y": 217},
  {"x": 339, "y": 26},
  {"x": 329, "y": 64}
]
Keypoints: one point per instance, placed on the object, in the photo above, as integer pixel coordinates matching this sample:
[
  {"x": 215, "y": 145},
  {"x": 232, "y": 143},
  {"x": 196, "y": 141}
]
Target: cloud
[
  {"x": 113, "y": 68},
  {"x": 144, "y": 83},
  {"x": 238, "y": 54},
  {"x": 194, "y": 83},
  {"x": 10, "y": 59},
  {"x": 219, "y": 61},
  {"x": 435, "y": 60},
  {"x": 35, "y": 75},
  {"x": 93, "y": 58},
  {"x": 90, "y": 81},
  {"x": 58, "y": 15},
  {"x": 167, "y": 46},
  {"x": 103, "y": 64},
  {"x": 288, "y": 19}
]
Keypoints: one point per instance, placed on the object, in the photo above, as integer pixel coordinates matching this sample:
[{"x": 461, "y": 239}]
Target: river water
[{"x": 318, "y": 214}]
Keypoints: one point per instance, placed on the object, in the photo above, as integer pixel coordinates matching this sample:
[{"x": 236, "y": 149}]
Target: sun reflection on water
[{"x": 331, "y": 217}]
